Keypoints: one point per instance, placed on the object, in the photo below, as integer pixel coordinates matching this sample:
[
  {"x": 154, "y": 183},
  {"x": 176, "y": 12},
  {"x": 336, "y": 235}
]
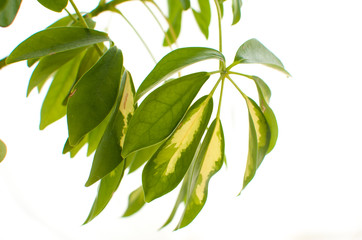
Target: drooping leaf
[
  {"x": 106, "y": 189},
  {"x": 53, "y": 108},
  {"x": 54, "y": 5},
  {"x": 252, "y": 51},
  {"x": 142, "y": 156},
  {"x": 2, "y": 150},
  {"x": 54, "y": 40},
  {"x": 161, "y": 111},
  {"x": 236, "y": 6},
  {"x": 203, "y": 18},
  {"x": 209, "y": 161},
  {"x": 221, "y": 4},
  {"x": 173, "y": 62},
  {"x": 185, "y": 4},
  {"x": 136, "y": 201},
  {"x": 259, "y": 139},
  {"x": 95, "y": 136},
  {"x": 8, "y": 11},
  {"x": 73, "y": 150},
  {"x": 165, "y": 170},
  {"x": 48, "y": 65},
  {"x": 108, "y": 153},
  {"x": 94, "y": 95},
  {"x": 174, "y": 19}
]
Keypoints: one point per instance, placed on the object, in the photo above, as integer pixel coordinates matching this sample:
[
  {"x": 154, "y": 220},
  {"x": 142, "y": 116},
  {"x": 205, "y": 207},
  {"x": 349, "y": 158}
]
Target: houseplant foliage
[{"x": 162, "y": 125}]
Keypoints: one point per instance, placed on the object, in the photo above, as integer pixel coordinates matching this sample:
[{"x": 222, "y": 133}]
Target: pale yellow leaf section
[
  {"x": 259, "y": 123},
  {"x": 127, "y": 105}
]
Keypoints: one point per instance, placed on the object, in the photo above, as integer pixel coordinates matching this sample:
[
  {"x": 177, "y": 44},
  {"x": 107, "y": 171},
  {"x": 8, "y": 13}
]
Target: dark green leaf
[
  {"x": 54, "y": 5},
  {"x": 142, "y": 156},
  {"x": 174, "y": 19},
  {"x": 94, "y": 95},
  {"x": 136, "y": 201},
  {"x": 53, "y": 40},
  {"x": 106, "y": 189},
  {"x": 173, "y": 62},
  {"x": 108, "y": 153},
  {"x": 161, "y": 111},
  {"x": 185, "y": 4},
  {"x": 165, "y": 170},
  {"x": 236, "y": 6},
  {"x": 8, "y": 11},
  {"x": 48, "y": 65},
  {"x": 209, "y": 161},
  {"x": 53, "y": 108},
  {"x": 252, "y": 51},
  {"x": 2, "y": 150},
  {"x": 203, "y": 18}
]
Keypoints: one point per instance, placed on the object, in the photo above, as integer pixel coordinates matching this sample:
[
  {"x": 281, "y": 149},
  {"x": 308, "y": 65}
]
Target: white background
[{"x": 308, "y": 188}]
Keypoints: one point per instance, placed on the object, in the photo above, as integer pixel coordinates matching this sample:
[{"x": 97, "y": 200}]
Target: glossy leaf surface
[
  {"x": 174, "y": 19},
  {"x": 94, "y": 95},
  {"x": 108, "y": 153},
  {"x": 53, "y": 40},
  {"x": 173, "y": 62},
  {"x": 209, "y": 161},
  {"x": 236, "y": 6},
  {"x": 53, "y": 108},
  {"x": 169, "y": 164},
  {"x": 54, "y": 5},
  {"x": 136, "y": 201},
  {"x": 2, "y": 150},
  {"x": 8, "y": 11},
  {"x": 203, "y": 18},
  {"x": 161, "y": 111},
  {"x": 253, "y": 51}
]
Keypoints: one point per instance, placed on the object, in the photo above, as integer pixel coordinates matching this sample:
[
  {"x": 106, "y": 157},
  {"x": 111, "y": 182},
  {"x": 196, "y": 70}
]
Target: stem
[
  {"x": 221, "y": 93},
  {"x": 71, "y": 15},
  {"x": 219, "y": 22},
  {"x": 214, "y": 88},
  {"x": 137, "y": 33},
  {"x": 236, "y": 86}
]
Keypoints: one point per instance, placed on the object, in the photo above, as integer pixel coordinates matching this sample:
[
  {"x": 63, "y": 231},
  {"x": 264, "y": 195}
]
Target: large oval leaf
[
  {"x": 108, "y": 153},
  {"x": 161, "y": 111},
  {"x": 203, "y": 18},
  {"x": 94, "y": 95},
  {"x": 2, "y": 150},
  {"x": 54, "y": 5},
  {"x": 53, "y": 40},
  {"x": 209, "y": 161},
  {"x": 169, "y": 164},
  {"x": 253, "y": 51},
  {"x": 8, "y": 11},
  {"x": 173, "y": 62}
]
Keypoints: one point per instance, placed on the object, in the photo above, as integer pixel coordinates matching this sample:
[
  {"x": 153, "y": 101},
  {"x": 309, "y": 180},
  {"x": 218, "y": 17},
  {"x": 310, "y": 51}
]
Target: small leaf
[
  {"x": 2, "y": 150},
  {"x": 8, "y": 11},
  {"x": 236, "y": 6},
  {"x": 106, "y": 189},
  {"x": 209, "y": 161},
  {"x": 54, "y": 5},
  {"x": 161, "y": 111},
  {"x": 52, "y": 108},
  {"x": 165, "y": 170},
  {"x": 95, "y": 136},
  {"x": 259, "y": 139},
  {"x": 136, "y": 201},
  {"x": 94, "y": 95},
  {"x": 49, "y": 65},
  {"x": 73, "y": 150},
  {"x": 175, "y": 20},
  {"x": 108, "y": 153},
  {"x": 185, "y": 4},
  {"x": 203, "y": 18},
  {"x": 252, "y": 51},
  {"x": 142, "y": 156},
  {"x": 53, "y": 40},
  {"x": 173, "y": 62}
]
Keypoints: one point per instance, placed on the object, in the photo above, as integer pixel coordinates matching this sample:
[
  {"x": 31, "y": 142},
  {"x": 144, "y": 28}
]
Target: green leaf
[
  {"x": 73, "y": 150},
  {"x": 8, "y": 11},
  {"x": 203, "y": 18},
  {"x": 108, "y": 153},
  {"x": 142, "y": 156},
  {"x": 53, "y": 108},
  {"x": 185, "y": 4},
  {"x": 54, "y": 5},
  {"x": 54, "y": 40},
  {"x": 161, "y": 111},
  {"x": 175, "y": 61},
  {"x": 106, "y": 189},
  {"x": 259, "y": 139},
  {"x": 236, "y": 6},
  {"x": 165, "y": 170},
  {"x": 136, "y": 201},
  {"x": 252, "y": 51},
  {"x": 174, "y": 19},
  {"x": 95, "y": 136},
  {"x": 2, "y": 150},
  {"x": 209, "y": 161},
  {"x": 48, "y": 65},
  {"x": 94, "y": 95}
]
